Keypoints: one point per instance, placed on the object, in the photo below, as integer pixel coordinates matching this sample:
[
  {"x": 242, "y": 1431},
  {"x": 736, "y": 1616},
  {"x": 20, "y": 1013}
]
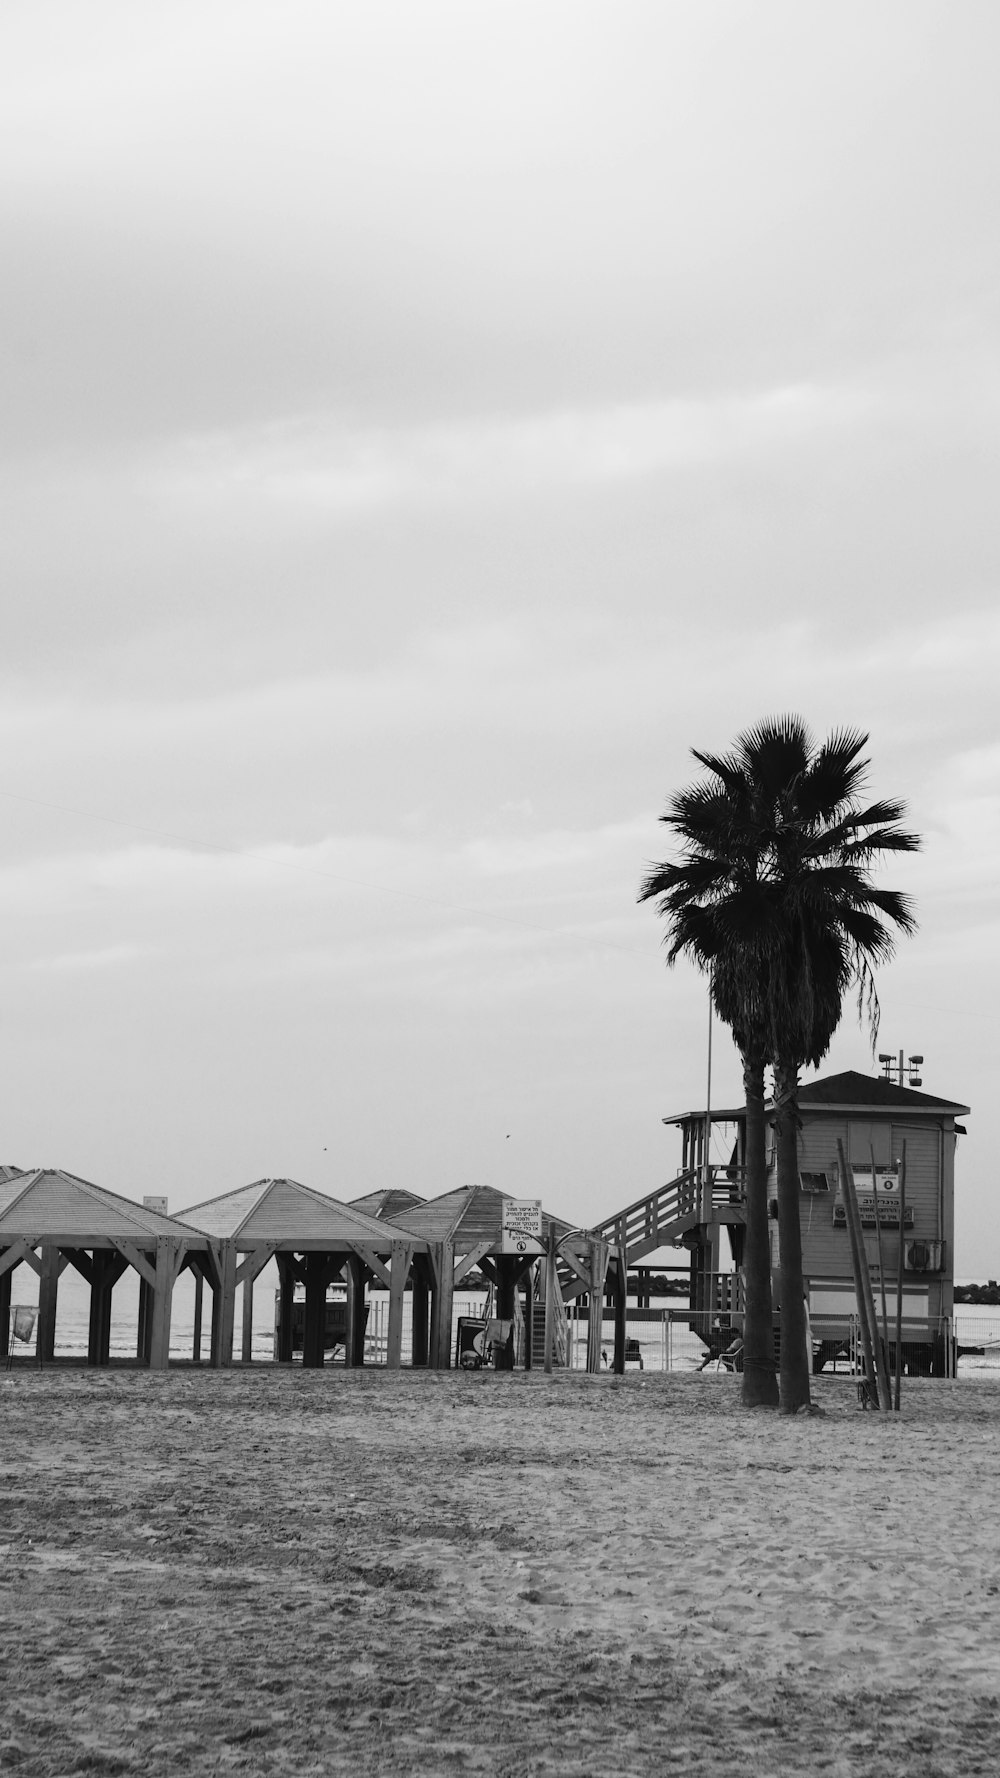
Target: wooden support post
[
  {"x": 420, "y": 1297},
  {"x": 505, "y": 1307},
  {"x": 529, "y": 1317},
  {"x": 223, "y": 1304},
  {"x": 317, "y": 1270},
  {"x": 354, "y": 1350},
  {"x": 442, "y": 1254},
  {"x": 5, "y": 1284},
  {"x": 48, "y": 1289},
  {"x": 106, "y": 1269},
  {"x": 551, "y": 1287},
  {"x": 286, "y": 1299},
  {"x": 246, "y": 1347},
  {"x": 598, "y": 1271},
  {"x": 162, "y": 1302},
  {"x": 401, "y": 1255},
  {"x": 143, "y": 1329},
  {"x": 199, "y": 1305},
  {"x": 621, "y": 1309}
]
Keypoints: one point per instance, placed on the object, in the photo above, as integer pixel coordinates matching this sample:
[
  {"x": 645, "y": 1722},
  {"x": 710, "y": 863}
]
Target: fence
[{"x": 679, "y": 1339}]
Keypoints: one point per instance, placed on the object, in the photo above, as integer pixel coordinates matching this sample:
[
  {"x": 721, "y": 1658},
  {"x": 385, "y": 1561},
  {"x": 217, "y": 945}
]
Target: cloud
[
  {"x": 108, "y": 957},
  {"x": 351, "y": 471}
]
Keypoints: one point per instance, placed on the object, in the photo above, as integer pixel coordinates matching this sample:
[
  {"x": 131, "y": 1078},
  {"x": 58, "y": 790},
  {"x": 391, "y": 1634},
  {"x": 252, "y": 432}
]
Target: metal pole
[{"x": 707, "y": 1176}]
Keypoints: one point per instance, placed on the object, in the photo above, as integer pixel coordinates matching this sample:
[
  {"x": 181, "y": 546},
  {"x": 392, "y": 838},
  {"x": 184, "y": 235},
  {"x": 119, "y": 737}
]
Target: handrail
[{"x": 681, "y": 1196}]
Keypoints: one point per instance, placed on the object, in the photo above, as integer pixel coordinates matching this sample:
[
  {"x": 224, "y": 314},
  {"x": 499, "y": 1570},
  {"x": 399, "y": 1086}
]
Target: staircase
[{"x": 664, "y": 1217}]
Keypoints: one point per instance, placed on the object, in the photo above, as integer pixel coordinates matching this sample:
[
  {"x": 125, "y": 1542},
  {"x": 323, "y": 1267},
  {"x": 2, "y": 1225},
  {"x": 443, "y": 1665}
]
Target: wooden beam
[
  {"x": 139, "y": 1260},
  {"x": 255, "y": 1261},
  {"x": 6, "y": 1279},
  {"x": 163, "y": 1291},
  {"x": 45, "y": 1344},
  {"x": 470, "y": 1259},
  {"x": 354, "y": 1351},
  {"x": 223, "y": 1305},
  {"x": 199, "y": 1295},
  {"x": 598, "y": 1271},
  {"x": 108, "y": 1267},
  {"x": 442, "y": 1259},
  {"x": 621, "y": 1310},
  {"x": 20, "y": 1253},
  {"x": 376, "y": 1265},
  {"x": 401, "y": 1258},
  {"x": 420, "y": 1297},
  {"x": 582, "y": 1270},
  {"x": 286, "y": 1299},
  {"x": 246, "y": 1350},
  {"x": 81, "y": 1262}
]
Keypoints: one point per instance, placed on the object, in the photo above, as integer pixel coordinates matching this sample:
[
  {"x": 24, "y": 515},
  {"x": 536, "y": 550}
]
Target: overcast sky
[{"x": 422, "y": 424}]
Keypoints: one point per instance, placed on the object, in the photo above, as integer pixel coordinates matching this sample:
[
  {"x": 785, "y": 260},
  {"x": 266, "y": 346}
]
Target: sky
[{"x": 422, "y": 426}]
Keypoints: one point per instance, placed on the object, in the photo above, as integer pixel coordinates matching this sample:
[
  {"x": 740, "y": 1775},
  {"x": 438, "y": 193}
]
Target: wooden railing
[{"x": 664, "y": 1215}]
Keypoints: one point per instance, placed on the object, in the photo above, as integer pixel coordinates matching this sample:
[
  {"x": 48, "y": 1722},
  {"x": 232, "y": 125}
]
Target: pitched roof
[
  {"x": 51, "y": 1202},
  {"x": 470, "y": 1214},
  {"x": 847, "y": 1091},
  {"x": 852, "y": 1088},
  {"x": 388, "y": 1203},
  {"x": 287, "y": 1213}
]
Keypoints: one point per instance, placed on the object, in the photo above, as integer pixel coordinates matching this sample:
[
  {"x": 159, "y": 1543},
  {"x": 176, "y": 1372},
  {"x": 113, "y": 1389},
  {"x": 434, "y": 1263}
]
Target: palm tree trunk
[
  {"x": 760, "y": 1385},
  {"x": 796, "y": 1364}
]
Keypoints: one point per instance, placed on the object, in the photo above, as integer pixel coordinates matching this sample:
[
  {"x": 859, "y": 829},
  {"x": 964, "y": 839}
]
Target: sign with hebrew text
[{"x": 521, "y": 1226}]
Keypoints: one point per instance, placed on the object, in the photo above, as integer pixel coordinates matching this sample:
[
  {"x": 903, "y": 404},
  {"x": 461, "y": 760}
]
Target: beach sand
[{"x": 326, "y": 1572}]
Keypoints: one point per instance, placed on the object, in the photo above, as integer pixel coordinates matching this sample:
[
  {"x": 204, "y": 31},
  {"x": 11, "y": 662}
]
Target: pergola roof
[
  {"x": 283, "y": 1213},
  {"x": 467, "y": 1216},
  {"x": 50, "y": 1204},
  {"x": 388, "y": 1203}
]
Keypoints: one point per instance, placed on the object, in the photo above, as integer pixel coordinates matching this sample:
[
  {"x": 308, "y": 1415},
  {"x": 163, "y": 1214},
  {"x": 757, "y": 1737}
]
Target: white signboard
[
  {"x": 521, "y": 1226},
  {"x": 886, "y": 1181}
]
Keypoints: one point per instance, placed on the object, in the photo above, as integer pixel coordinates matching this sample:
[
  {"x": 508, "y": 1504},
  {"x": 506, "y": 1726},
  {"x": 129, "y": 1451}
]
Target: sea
[{"x": 660, "y": 1344}]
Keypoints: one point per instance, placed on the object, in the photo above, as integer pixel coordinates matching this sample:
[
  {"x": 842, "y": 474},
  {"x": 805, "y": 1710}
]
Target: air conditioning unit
[
  {"x": 814, "y": 1182},
  {"x": 924, "y": 1256}
]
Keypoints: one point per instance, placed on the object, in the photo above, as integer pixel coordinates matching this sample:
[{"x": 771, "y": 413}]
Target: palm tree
[
  {"x": 709, "y": 901},
  {"x": 774, "y": 892},
  {"x": 826, "y": 926}
]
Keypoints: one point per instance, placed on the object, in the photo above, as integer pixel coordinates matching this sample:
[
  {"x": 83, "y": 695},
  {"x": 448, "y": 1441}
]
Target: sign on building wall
[
  {"x": 521, "y": 1226},
  {"x": 886, "y": 1180}
]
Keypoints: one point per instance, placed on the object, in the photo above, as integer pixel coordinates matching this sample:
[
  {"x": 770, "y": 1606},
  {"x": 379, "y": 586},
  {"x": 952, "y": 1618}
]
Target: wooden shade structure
[
  {"x": 313, "y": 1239},
  {"x": 50, "y": 1219},
  {"x": 463, "y": 1229}
]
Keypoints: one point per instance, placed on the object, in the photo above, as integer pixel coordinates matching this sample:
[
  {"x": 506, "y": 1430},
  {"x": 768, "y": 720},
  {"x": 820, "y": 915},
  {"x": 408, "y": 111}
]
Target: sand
[{"x": 276, "y": 1571}]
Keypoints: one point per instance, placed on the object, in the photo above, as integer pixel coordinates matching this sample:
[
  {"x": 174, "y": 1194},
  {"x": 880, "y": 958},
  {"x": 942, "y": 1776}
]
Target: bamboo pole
[
  {"x": 859, "y": 1291},
  {"x": 881, "y": 1257},
  {"x": 551, "y": 1286},
  {"x": 874, "y": 1359},
  {"x": 899, "y": 1274}
]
